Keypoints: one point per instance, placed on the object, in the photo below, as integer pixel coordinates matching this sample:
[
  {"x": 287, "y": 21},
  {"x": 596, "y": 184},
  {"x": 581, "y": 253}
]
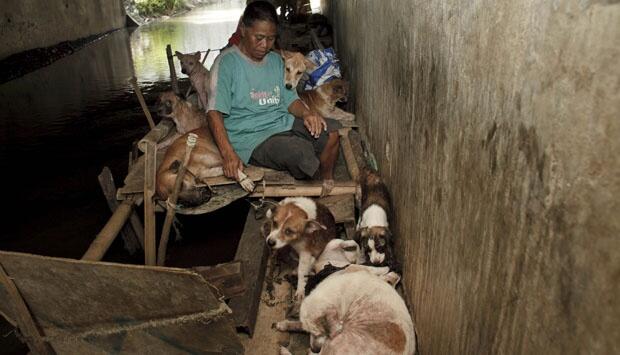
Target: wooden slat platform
[{"x": 252, "y": 252}]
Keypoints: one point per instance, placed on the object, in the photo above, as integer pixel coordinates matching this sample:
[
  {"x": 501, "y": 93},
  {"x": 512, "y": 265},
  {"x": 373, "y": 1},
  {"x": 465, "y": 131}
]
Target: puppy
[
  {"x": 340, "y": 254},
  {"x": 198, "y": 74},
  {"x": 185, "y": 116},
  {"x": 373, "y": 232},
  {"x": 307, "y": 226},
  {"x": 205, "y": 161},
  {"x": 295, "y": 65},
  {"x": 354, "y": 311},
  {"x": 323, "y": 99}
]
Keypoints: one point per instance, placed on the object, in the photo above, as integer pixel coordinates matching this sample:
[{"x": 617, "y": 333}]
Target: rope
[{"x": 203, "y": 317}]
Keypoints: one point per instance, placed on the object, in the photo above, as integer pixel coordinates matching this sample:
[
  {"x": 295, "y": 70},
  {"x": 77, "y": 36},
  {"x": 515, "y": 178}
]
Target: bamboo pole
[
  {"x": 165, "y": 233},
  {"x": 147, "y": 113},
  {"x": 25, "y": 321},
  {"x": 150, "y": 166},
  {"x": 130, "y": 234},
  {"x": 340, "y": 188},
  {"x": 173, "y": 73},
  {"x": 104, "y": 239}
]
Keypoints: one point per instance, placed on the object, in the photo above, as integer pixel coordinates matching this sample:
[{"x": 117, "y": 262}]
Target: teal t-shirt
[{"x": 252, "y": 98}]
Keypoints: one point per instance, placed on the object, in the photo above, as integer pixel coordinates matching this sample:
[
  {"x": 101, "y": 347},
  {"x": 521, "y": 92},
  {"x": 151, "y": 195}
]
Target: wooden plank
[
  {"x": 157, "y": 134},
  {"x": 23, "y": 317},
  {"x": 227, "y": 278},
  {"x": 274, "y": 177},
  {"x": 348, "y": 153},
  {"x": 341, "y": 206},
  {"x": 358, "y": 150},
  {"x": 93, "y": 307},
  {"x": 132, "y": 236},
  {"x": 253, "y": 172},
  {"x": 150, "y": 165},
  {"x": 253, "y": 252}
]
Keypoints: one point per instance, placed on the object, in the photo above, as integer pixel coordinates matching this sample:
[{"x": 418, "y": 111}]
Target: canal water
[{"x": 60, "y": 125}]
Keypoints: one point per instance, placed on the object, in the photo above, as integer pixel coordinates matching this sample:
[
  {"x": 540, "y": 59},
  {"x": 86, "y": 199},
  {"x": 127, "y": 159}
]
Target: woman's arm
[
  {"x": 313, "y": 122},
  {"x": 231, "y": 160}
]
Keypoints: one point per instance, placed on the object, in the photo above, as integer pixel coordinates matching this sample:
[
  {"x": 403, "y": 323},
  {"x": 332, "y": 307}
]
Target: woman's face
[{"x": 258, "y": 39}]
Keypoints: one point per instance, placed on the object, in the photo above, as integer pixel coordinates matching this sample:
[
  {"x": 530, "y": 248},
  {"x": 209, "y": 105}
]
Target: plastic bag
[{"x": 327, "y": 67}]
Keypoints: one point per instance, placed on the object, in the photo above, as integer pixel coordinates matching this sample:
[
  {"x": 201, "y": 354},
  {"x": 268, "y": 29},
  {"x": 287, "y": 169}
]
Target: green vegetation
[{"x": 158, "y": 7}]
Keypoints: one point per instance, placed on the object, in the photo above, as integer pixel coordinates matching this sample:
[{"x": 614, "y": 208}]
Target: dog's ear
[
  {"x": 310, "y": 66},
  {"x": 178, "y": 54},
  {"x": 313, "y": 226},
  {"x": 197, "y": 55}
]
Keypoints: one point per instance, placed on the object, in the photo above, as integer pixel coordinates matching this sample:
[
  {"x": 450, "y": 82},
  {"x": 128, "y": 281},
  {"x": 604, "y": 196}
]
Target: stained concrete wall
[
  {"x": 28, "y": 24},
  {"x": 497, "y": 127}
]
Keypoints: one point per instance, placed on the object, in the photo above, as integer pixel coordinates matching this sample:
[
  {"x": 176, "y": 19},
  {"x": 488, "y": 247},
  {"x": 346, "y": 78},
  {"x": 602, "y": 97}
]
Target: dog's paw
[
  {"x": 246, "y": 183},
  {"x": 348, "y": 117},
  {"x": 392, "y": 278},
  {"x": 327, "y": 187},
  {"x": 280, "y": 326}
]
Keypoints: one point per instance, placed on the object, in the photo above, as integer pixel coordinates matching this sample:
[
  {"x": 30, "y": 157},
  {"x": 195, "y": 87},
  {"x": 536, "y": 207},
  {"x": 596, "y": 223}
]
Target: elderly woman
[{"x": 255, "y": 119}]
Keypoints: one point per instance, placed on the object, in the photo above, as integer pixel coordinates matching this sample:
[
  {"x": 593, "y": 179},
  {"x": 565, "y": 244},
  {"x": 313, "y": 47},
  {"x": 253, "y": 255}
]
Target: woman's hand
[
  {"x": 314, "y": 123},
  {"x": 232, "y": 164}
]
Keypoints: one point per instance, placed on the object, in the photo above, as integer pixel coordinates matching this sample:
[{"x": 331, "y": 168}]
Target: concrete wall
[
  {"x": 28, "y": 24},
  {"x": 496, "y": 124}
]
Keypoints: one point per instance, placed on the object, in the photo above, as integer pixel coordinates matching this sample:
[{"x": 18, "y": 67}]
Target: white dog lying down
[{"x": 356, "y": 311}]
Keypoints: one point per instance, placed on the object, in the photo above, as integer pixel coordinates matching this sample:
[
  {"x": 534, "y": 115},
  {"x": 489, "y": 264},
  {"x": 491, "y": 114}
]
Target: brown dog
[
  {"x": 186, "y": 116},
  {"x": 205, "y": 161},
  {"x": 323, "y": 99},
  {"x": 198, "y": 74},
  {"x": 295, "y": 65}
]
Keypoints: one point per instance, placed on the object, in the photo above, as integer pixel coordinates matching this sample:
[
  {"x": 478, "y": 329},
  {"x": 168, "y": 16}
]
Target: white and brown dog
[
  {"x": 373, "y": 229},
  {"x": 323, "y": 99},
  {"x": 352, "y": 309},
  {"x": 198, "y": 74},
  {"x": 304, "y": 224}
]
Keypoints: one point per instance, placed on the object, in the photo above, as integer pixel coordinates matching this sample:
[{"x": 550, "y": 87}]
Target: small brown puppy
[
  {"x": 198, "y": 74},
  {"x": 305, "y": 225},
  {"x": 186, "y": 116},
  {"x": 295, "y": 65},
  {"x": 323, "y": 99}
]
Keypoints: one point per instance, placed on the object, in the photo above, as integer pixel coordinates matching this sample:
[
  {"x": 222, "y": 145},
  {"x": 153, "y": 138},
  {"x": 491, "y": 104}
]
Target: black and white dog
[{"x": 373, "y": 228}]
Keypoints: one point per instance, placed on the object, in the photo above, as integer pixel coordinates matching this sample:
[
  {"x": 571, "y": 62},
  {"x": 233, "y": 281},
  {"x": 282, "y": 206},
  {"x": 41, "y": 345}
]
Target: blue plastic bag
[{"x": 327, "y": 67}]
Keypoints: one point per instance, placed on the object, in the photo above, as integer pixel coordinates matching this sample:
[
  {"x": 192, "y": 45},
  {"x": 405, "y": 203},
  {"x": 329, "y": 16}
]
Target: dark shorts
[{"x": 295, "y": 151}]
